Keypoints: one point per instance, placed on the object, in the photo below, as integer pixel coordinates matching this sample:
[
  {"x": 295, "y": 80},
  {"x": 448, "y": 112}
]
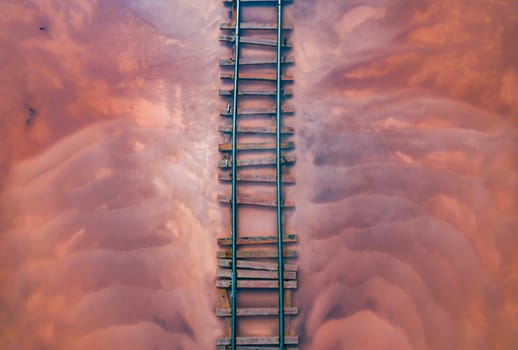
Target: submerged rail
[
  {"x": 262, "y": 268},
  {"x": 233, "y": 203},
  {"x": 279, "y": 175}
]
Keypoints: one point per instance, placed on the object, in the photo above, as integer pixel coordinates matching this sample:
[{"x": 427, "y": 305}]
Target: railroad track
[{"x": 256, "y": 154}]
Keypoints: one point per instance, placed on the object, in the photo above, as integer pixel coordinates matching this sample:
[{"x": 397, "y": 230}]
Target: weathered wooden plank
[
  {"x": 257, "y": 254},
  {"x": 288, "y": 303},
  {"x": 285, "y": 160},
  {"x": 225, "y": 304},
  {"x": 254, "y": 26},
  {"x": 256, "y": 284},
  {"x": 255, "y": 41},
  {"x": 287, "y": 179},
  {"x": 227, "y": 113},
  {"x": 256, "y": 311},
  {"x": 256, "y": 129},
  {"x": 255, "y": 76},
  {"x": 256, "y": 274},
  {"x": 255, "y": 146},
  {"x": 230, "y": 92},
  {"x": 289, "y": 238},
  {"x": 288, "y": 340},
  {"x": 255, "y": 265},
  {"x": 260, "y": 202},
  {"x": 244, "y": 347},
  {"x": 223, "y": 298},
  {"x": 257, "y": 2},
  {"x": 288, "y": 298},
  {"x": 255, "y": 61}
]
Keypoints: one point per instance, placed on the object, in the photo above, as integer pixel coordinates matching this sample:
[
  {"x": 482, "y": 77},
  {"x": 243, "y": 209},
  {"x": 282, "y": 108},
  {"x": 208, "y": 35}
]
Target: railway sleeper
[
  {"x": 257, "y": 2},
  {"x": 257, "y": 129},
  {"x": 289, "y": 238},
  {"x": 256, "y": 274},
  {"x": 256, "y": 284},
  {"x": 254, "y": 26},
  {"x": 270, "y": 203},
  {"x": 273, "y": 93},
  {"x": 286, "y": 179},
  {"x": 288, "y": 340},
  {"x": 256, "y": 254},
  {"x": 259, "y": 77},
  {"x": 257, "y": 311},
  {"x": 227, "y": 113},
  {"x": 255, "y": 265},
  {"x": 224, "y": 347},
  {"x": 270, "y": 161},
  {"x": 256, "y": 146},
  {"x": 230, "y": 62}
]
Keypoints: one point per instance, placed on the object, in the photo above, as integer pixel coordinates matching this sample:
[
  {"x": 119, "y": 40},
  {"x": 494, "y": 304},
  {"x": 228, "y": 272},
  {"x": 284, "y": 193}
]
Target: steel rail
[
  {"x": 280, "y": 265},
  {"x": 234, "y": 177}
]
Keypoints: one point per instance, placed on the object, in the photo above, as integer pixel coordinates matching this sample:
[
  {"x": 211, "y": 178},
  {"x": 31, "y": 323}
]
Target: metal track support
[
  {"x": 234, "y": 177},
  {"x": 279, "y": 182}
]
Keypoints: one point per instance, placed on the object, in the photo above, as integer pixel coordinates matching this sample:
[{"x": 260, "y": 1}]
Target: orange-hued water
[{"x": 407, "y": 174}]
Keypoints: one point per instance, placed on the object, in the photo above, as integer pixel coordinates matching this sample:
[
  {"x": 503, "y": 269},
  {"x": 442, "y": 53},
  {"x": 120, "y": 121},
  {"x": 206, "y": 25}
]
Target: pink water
[{"x": 407, "y": 186}]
